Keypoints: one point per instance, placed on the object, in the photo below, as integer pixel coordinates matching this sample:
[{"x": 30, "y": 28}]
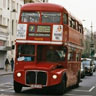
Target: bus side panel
[{"x": 74, "y": 36}]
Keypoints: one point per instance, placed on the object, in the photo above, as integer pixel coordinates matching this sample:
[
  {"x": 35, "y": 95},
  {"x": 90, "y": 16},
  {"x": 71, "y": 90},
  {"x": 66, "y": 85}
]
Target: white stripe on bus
[{"x": 41, "y": 42}]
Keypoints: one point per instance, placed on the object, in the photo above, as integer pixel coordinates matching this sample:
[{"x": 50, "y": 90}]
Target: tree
[{"x": 92, "y": 52}]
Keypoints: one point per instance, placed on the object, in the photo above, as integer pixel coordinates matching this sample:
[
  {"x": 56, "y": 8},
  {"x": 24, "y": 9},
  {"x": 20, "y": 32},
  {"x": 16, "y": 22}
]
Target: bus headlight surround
[
  {"x": 18, "y": 74},
  {"x": 54, "y": 76}
]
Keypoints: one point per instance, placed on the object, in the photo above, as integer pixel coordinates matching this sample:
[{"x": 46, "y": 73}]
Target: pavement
[{"x": 3, "y": 72}]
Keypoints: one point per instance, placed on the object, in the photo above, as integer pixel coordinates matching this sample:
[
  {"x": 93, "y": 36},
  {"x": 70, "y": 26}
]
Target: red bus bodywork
[{"x": 42, "y": 71}]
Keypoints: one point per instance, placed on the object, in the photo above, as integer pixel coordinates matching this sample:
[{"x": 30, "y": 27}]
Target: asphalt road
[{"x": 87, "y": 88}]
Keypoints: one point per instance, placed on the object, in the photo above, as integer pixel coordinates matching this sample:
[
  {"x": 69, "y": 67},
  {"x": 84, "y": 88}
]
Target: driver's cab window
[{"x": 25, "y": 52}]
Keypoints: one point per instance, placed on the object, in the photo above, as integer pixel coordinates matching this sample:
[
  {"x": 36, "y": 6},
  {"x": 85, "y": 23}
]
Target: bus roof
[
  {"x": 43, "y": 7},
  {"x": 47, "y": 7}
]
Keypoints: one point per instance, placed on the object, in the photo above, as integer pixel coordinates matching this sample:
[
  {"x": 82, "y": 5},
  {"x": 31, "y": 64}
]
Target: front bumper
[{"x": 37, "y": 77}]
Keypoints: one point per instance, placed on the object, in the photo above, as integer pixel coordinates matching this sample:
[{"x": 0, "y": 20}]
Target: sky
[{"x": 85, "y": 10}]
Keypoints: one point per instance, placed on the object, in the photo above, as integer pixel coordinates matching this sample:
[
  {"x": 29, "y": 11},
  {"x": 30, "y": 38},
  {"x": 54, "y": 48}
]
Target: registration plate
[{"x": 36, "y": 86}]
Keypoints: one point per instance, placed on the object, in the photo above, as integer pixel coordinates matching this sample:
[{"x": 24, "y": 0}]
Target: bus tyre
[
  {"x": 62, "y": 87},
  {"x": 17, "y": 87},
  {"x": 91, "y": 74},
  {"x": 78, "y": 80}
]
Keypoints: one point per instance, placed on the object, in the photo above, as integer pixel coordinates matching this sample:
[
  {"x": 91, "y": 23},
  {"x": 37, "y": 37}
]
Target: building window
[
  {"x": 0, "y": 19},
  {"x": 8, "y": 24},
  {"x": 8, "y": 4},
  {"x": 11, "y": 45},
  {"x": 4, "y": 20},
  {"x": 17, "y": 7},
  {"x": 13, "y": 5},
  {"x": 12, "y": 27},
  {"x": 4, "y": 3},
  {"x": 1, "y": 43}
]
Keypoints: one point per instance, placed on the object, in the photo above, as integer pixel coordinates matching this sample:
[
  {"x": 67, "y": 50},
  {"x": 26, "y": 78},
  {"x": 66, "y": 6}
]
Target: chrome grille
[{"x": 36, "y": 77}]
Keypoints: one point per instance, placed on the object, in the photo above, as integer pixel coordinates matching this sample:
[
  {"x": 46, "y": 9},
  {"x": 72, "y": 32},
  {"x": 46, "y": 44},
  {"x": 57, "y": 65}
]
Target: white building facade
[{"x": 9, "y": 13}]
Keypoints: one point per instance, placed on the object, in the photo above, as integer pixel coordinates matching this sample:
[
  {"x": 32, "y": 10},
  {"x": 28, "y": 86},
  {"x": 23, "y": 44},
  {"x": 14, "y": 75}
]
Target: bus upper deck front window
[
  {"x": 30, "y": 16},
  {"x": 51, "y": 17},
  {"x": 25, "y": 52}
]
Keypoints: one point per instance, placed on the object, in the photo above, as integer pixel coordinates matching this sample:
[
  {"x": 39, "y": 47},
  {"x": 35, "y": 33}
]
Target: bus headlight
[
  {"x": 18, "y": 74},
  {"x": 54, "y": 76}
]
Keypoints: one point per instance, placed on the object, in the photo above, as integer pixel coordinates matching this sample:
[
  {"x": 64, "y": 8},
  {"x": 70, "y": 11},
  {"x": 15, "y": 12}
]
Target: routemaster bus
[{"x": 48, "y": 48}]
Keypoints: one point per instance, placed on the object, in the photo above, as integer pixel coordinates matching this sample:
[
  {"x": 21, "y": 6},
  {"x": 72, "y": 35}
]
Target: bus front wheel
[
  {"x": 62, "y": 87},
  {"x": 78, "y": 80},
  {"x": 17, "y": 87}
]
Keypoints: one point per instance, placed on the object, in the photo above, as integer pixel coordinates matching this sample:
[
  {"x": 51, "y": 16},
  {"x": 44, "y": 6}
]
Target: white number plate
[{"x": 36, "y": 86}]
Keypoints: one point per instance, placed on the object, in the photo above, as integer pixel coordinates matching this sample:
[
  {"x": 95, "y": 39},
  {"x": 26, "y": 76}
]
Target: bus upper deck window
[
  {"x": 65, "y": 18},
  {"x": 30, "y": 17},
  {"x": 51, "y": 17}
]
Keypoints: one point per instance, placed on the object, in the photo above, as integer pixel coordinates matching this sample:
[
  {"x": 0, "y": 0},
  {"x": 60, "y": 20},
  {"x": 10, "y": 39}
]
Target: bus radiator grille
[{"x": 36, "y": 77}]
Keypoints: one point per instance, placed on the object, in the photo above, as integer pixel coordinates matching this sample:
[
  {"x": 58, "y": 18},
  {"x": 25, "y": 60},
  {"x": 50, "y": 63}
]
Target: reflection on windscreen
[
  {"x": 50, "y": 53},
  {"x": 55, "y": 55},
  {"x": 26, "y": 52}
]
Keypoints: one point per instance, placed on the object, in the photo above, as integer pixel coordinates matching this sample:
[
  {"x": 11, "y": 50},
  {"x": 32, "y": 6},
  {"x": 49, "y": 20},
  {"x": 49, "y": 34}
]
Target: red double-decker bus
[{"x": 48, "y": 48}]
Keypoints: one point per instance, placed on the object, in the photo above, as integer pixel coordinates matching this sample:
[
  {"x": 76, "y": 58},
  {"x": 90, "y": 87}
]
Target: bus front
[{"x": 40, "y": 51}]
